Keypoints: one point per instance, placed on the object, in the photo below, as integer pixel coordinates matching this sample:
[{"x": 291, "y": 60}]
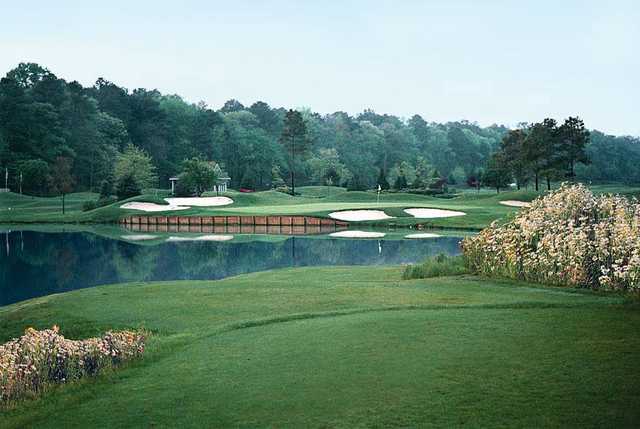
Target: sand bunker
[
  {"x": 178, "y": 204},
  {"x": 515, "y": 203},
  {"x": 202, "y": 238},
  {"x": 139, "y": 237},
  {"x": 357, "y": 234},
  {"x": 150, "y": 207},
  {"x": 432, "y": 213},
  {"x": 423, "y": 235},
  {"x": 200, "y": 202},
  {"x": 360, "y": 215}
]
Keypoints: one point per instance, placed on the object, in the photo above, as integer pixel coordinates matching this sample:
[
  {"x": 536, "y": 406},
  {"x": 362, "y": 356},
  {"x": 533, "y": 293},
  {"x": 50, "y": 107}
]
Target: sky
[{"x": 489, "y": 61}]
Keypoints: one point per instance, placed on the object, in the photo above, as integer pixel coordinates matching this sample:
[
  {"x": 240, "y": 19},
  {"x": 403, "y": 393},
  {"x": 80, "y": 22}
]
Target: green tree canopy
[
  {"x": 513, "y": 147},
  {"x": 43, "y": 117},
  {"x": 198, "y": 175},
  {"x": 35, "y": 174},
  {"x": 497, "y": 173},
  {"x": 137, "y": 163}
]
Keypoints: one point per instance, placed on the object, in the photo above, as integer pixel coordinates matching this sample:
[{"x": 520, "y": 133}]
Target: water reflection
[{"x": 40, "y": 263}]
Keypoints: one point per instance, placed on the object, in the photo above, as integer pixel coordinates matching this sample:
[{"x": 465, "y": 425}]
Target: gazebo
[
  {"x": 173, "y": 181},
  {"x": 222, "y": 183}
]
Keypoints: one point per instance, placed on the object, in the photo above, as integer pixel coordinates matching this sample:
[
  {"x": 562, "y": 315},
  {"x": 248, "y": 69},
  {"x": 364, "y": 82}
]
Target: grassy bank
[
  {"x": 345, "y": 347},
  {"x": 481, "y": 208}
]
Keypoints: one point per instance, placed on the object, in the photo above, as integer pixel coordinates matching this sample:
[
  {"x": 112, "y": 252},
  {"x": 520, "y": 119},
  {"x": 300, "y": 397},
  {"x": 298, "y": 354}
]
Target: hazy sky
[{"x": 485, "y": 61}]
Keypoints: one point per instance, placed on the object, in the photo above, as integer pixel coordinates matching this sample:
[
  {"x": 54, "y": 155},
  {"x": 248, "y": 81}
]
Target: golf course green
[{"x": 340, "y": 346}]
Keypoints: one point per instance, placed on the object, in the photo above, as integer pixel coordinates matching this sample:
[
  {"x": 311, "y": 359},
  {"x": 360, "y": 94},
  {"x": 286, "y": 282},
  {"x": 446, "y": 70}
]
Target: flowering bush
[
  {"x": 569, "y": 237},
  {"x": 39, "y": 358}
]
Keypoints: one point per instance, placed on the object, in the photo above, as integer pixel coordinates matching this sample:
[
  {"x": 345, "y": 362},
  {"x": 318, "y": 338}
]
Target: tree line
[
  {"x": 58, "y": 136},
  {"x": 541, "y": 151}
]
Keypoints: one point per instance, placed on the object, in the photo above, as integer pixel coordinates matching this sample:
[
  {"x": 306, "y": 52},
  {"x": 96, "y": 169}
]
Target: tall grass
[
  {"x": 441, "y": 265},
  {"x": 42, "y": 358}
]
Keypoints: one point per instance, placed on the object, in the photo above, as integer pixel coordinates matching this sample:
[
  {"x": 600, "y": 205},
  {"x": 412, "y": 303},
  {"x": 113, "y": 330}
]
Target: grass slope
[{"x": 346, "y": 347}]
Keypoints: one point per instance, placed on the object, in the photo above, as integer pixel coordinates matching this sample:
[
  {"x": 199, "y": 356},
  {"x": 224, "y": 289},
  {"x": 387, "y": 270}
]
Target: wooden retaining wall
[{"x": 285, "y": 225}]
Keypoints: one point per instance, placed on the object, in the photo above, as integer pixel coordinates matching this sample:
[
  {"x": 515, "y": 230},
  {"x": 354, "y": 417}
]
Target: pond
[{"x": 42, "y": 262}]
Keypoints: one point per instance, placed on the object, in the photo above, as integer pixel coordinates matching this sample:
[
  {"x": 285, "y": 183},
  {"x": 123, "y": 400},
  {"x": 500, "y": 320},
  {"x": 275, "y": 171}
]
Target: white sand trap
[
  {"x": 423, "y": 235},
  {"x": 202, "y": 238},
  {"x": 432, "y": 213},
  {"x": 151, "y": 207},
  {"x": 139, "y": 237},
  {"x": 200, "y": 202},
  {"x": 360, "y": 215},
  {"x": 178, "y": 204},
  {"x": 357, "y": 234},
  {"x": 515, "y": 203}
]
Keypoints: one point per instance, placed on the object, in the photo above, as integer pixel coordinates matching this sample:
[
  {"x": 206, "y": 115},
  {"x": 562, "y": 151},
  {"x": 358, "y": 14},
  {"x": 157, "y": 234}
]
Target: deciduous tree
[
  {"x": 198, "y": 175},
  {"x": 137, "y": 163}
]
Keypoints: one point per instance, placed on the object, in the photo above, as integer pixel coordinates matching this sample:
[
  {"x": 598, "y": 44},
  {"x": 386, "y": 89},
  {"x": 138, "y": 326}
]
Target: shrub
[
  {"x": 284, "y": 189},
  {"x": 569, "y": 238},
  {"x": 40, "y": 358},
  {"x": 441, "y": 265}
]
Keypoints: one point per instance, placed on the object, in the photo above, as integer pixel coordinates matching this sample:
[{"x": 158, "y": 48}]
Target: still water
[{"x": 34, "y": 263}]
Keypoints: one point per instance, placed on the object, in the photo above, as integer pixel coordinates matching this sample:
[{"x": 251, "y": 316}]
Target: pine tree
[
  {"x": 573, "y": 138},
  {"x": 294, "y": 139}
]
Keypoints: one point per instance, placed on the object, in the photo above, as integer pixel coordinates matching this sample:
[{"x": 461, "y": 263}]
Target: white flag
[{"x": 379, "y": 188}]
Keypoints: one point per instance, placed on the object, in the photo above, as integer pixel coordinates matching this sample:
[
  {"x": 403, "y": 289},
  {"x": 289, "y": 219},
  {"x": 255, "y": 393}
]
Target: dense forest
[{"x": 57, "y": 136}]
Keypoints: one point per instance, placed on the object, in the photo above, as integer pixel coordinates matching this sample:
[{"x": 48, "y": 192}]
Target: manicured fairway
[
  {"x": 33, "y": 209},
  {"x": 346, "y": 347}
]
